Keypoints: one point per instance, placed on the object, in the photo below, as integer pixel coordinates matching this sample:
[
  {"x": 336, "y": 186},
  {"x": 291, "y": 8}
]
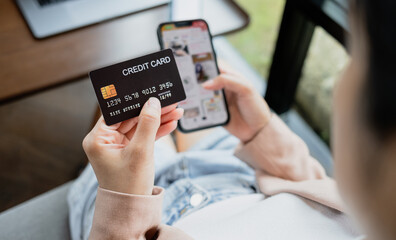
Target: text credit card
[{"x": 123, "y": 88}]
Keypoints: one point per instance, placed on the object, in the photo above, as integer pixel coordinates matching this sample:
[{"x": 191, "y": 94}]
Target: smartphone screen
[{"x": 191, "y": 43}]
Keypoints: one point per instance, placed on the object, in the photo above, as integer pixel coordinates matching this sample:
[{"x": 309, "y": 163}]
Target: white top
[{"x": 283, "y": 216}]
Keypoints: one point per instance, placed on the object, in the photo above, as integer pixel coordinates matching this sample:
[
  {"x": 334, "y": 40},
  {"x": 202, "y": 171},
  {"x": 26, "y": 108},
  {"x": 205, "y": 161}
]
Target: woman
[{"x": 211, "y": 194}]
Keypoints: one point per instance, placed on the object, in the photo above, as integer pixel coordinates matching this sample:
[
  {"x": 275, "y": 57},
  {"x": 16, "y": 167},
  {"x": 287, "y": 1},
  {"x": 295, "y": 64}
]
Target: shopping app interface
[{"x": 196, "y": 63}]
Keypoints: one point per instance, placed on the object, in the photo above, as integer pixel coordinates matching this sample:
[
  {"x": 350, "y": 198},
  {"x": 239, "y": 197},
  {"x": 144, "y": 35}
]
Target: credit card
[{"x": 123, "y": 88}]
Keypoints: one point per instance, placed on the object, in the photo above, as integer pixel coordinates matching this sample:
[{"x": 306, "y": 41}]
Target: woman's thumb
[{"x": 149, "y": 122}]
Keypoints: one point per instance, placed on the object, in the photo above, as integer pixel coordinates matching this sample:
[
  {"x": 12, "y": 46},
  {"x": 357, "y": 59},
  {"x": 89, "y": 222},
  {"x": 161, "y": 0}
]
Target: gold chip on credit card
[{"x": 108, "y": 91}]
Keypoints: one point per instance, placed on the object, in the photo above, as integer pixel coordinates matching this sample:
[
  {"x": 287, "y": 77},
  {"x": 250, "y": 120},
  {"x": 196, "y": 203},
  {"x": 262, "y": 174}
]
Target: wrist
[
  {"x": 266, "y": 120},
  {"x": 139, "y": 183},
  {"x": 129, "y": 189},
  {"x": 257, "y": 116}
]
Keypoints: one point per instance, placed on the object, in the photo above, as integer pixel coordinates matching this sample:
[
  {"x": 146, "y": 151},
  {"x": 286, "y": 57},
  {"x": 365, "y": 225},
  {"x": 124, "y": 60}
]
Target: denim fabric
[{"x": 208, "y": 169}]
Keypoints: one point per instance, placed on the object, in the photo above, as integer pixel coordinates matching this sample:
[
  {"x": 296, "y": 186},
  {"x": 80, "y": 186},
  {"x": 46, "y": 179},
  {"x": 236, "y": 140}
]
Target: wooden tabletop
[{"x": 28, "y": 65}]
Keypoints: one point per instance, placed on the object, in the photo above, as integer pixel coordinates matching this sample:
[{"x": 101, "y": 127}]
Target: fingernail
[{"x": 154, "y": 103}]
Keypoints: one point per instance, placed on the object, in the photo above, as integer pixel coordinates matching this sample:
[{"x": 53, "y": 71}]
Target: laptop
[{"x": 50, "y": 17}]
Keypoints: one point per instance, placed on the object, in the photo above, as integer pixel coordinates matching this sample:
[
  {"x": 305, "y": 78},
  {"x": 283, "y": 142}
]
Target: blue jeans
[{"x": 205, "y": 174}]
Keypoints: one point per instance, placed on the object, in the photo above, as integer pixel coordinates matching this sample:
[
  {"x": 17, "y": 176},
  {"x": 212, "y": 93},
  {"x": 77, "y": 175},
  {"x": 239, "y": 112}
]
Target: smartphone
[{"x": 191, "y": 43}]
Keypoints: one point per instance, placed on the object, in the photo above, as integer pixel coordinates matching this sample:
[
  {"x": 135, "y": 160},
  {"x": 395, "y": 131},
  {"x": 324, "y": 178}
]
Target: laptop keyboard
[{"x": 44, "y": 3}]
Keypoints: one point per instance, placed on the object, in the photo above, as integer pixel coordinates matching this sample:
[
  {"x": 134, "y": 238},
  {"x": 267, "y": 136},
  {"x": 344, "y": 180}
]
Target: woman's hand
[
  {"x": 122, "y": 154},
  {"x": 248, "y": 110}
]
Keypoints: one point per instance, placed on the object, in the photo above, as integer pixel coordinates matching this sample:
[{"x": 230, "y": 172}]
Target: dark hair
[
  {"x": 379, "y": 17},
  {"x": 376, "y": 21}
]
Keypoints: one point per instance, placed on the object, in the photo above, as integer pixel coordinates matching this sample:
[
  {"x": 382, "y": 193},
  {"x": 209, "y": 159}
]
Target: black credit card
[{"x": 123, "y": 88}]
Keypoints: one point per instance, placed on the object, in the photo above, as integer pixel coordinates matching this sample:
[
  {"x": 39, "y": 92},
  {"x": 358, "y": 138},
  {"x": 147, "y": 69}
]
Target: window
[{"x": 323, "y": 66}]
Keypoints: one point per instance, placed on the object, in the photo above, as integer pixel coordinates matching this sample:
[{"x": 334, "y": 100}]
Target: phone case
[{"x": 188, "y": 22}]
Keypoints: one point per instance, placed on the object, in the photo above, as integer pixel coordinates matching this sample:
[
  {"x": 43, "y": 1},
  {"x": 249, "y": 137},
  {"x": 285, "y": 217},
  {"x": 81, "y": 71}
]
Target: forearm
[{"x": 279, "y": 152}]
